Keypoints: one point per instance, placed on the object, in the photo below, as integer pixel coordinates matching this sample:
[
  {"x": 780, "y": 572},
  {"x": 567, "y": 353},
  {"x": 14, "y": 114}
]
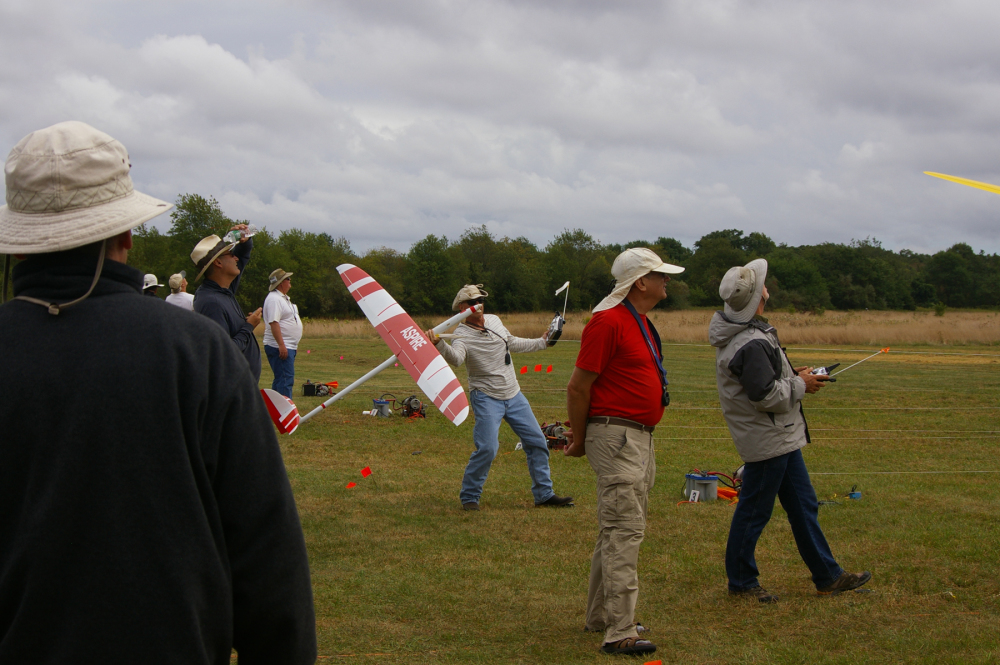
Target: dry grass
[{"x": 691, "y": 326}]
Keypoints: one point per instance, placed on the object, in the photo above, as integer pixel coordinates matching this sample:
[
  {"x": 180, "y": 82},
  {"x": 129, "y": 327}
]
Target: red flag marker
[
  {"x": 524, "y": 370},
  {"x": 549, "y": 368},
  {"x": 341, "y": 357},
  {"x": 350, "y": 485},
  {"x": 538, "y": 368},
  {"x": 653, "y": 662},
  {"x": 365, "y": 472}
]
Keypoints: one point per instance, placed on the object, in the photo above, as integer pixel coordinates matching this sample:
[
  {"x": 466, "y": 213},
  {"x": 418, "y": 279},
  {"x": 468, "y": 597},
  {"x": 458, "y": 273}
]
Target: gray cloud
[{"x": 384, "y": 122}]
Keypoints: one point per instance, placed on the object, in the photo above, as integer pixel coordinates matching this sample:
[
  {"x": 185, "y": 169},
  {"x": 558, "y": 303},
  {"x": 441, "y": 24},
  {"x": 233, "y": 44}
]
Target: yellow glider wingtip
[{"x": 965, "y": 181}]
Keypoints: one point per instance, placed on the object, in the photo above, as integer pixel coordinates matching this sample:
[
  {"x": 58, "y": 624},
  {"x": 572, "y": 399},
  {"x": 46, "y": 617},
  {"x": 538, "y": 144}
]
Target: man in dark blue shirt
[{"x": 222, "y": 264}]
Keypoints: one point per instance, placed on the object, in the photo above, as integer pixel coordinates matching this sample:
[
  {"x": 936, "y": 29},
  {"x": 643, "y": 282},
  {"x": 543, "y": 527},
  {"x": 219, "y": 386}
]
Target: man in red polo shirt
[{"x": 615, "y": 398}]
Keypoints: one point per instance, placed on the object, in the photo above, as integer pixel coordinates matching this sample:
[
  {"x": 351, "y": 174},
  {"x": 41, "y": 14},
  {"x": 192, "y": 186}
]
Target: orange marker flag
[
  {"x": 549, "y": 368},
  {"x": 350, "y": 485},
  {"x": 524, "y": 370},
  {"x": 885, "y": 350},
  {"x": 653, "y": 662},
  {"x": 538, "y": 368},
  {"x": 365, "y": 472}
]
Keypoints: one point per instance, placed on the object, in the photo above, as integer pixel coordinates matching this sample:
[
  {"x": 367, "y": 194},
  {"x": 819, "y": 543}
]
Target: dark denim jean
[
  {"x": 786, "y": 478},
  {"x": 284, "y": 370}
]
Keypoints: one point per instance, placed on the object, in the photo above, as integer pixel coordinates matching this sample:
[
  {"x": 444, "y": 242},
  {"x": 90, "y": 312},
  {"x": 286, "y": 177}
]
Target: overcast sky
[{"x": 383, "y": 121}]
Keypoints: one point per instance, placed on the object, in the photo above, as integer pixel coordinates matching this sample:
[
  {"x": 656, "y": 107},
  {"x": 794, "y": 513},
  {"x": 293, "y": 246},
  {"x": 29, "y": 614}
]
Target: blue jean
[
  {"x": 786, "y": 477},
  {"x": 517, "y": 412},
  {"x": 284, "y": 370}
]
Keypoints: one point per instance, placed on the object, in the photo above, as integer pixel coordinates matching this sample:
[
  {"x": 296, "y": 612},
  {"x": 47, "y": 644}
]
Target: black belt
[{"x": 621, "y": 422}]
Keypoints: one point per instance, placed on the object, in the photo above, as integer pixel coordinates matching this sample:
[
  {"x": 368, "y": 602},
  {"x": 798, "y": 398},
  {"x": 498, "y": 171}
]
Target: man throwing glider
[
  {"x": 484, "y": 345},
  {"x": 761, "y": 396}
]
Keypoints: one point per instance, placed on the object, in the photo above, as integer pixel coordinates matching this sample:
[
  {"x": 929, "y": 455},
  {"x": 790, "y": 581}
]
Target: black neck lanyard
[{"x": 649, "y": 343}]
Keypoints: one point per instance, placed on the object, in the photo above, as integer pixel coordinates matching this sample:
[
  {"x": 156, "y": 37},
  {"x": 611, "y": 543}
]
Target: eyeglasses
[{"x": 477, "y": 301}]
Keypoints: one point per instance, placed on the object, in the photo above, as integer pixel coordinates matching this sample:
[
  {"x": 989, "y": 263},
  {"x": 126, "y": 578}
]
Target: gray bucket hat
[{"x": 741, "y": 289}]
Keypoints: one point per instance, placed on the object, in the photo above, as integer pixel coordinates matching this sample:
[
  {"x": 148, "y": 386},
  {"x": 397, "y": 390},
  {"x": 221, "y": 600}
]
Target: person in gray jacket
[{"x": 761, "y": 397}]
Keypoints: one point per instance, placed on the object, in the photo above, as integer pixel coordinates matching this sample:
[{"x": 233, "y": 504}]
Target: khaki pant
[{"x": 625, "y": 464}]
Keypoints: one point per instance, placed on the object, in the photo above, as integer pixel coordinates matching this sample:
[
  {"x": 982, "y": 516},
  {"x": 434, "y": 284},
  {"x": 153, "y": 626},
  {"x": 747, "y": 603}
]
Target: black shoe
[
  {"x": 630, "y": 646},
  {"x": 556, "y": 502},
  {"x": 846, "y": 582},
  {"x": 758, "y": 592},
  {"x": 472, "y": 505}
]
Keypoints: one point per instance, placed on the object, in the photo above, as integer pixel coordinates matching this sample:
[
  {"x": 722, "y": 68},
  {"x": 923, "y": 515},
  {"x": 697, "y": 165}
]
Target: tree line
[{"x": 521, "y": 277}]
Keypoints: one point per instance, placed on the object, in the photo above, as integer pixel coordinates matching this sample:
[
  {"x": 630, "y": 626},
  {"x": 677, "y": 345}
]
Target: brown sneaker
[
  {"x": 758, "y": 592},
  {"x": 471, "y": 505},
  {"x": 846, "y": 582}
]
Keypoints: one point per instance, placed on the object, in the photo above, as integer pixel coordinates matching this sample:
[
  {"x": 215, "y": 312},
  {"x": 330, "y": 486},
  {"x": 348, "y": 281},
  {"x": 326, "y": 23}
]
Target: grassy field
[{"x": 402, "y": 575}]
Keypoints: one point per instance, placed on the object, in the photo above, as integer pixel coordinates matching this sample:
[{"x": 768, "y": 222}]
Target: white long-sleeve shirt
[{"x": 483, "y": 353}]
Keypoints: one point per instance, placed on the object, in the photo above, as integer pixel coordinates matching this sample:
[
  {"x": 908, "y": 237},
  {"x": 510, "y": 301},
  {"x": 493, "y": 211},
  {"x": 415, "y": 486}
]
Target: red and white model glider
[{"x": 409, "y": 345}]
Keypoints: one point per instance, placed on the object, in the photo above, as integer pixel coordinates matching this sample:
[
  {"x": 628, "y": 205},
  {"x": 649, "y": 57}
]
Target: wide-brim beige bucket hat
[
  {"x": 741, "y": 289},
  {"x": 629, "y": 266},
  {"x": 68, "y": 185}
]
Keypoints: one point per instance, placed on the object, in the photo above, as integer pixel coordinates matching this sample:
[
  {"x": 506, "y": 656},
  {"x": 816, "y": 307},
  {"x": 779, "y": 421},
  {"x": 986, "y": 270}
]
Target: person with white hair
[
  {"x": 615, "y": 399},
  {"x": 129, "y": 533},
  {"x": 761, "y": 397},
  {"x": 178, "y": 291}
]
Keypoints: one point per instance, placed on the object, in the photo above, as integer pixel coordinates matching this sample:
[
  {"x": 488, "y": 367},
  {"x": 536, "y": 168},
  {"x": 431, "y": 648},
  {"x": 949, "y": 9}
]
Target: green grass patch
[{"x": 402, "y": 575}]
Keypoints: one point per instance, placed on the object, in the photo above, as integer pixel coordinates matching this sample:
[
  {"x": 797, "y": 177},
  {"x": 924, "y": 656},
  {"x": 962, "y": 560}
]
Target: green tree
[
  {"x": 195, "y": 217},
  {"x": 433, "y": 276}
]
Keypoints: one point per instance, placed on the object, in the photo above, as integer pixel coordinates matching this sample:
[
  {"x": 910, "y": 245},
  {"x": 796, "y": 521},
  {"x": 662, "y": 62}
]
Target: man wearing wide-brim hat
[
  {"x": 145, "y": 513},
  {"x": 222, "y": 265},
  {"x": 761, "y": 397},
  {"x": 282, "y": 331},
  {"x": 615, "y": 399}
]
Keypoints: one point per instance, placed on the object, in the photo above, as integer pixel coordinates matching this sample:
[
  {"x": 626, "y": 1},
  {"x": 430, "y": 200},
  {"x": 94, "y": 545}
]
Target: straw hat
[
  {"x": 629, "y": 266},
  {"x": 741, "y": 289},
  {"x": 467, "y": 293},
  {"x": 208, "y": 250},
  {"x": 68, "y": 185}
]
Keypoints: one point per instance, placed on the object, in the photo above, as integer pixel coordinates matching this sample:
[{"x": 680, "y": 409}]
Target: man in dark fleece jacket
[
  {"x": 222, "y": 265},
  {"x": 145, "y": 512}
]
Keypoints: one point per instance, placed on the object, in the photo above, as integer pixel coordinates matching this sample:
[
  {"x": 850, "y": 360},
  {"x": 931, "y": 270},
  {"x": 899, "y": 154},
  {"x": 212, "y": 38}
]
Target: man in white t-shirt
[
  {"x": 282, "y": 331},
  {"x": 178, "y": 291}
]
